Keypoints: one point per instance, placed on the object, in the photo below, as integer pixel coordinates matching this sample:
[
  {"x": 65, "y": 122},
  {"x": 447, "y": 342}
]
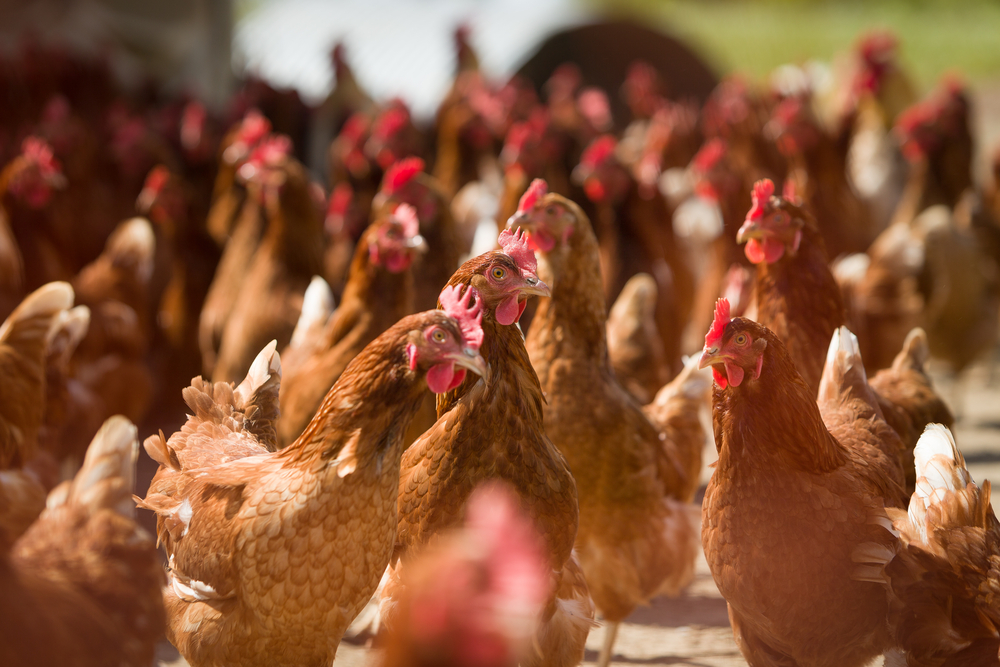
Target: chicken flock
[{"x": 388, "y": 437}]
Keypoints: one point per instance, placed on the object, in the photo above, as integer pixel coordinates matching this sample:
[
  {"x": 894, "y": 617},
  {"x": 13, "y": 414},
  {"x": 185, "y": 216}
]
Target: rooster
[
  {"x": 379, "y": 292},
  {"x": 795, "y": 491},
  {"x": 629, "y": 481},
  {"x": 272, "y": 554},
  {"x": 493, "y": 430}
]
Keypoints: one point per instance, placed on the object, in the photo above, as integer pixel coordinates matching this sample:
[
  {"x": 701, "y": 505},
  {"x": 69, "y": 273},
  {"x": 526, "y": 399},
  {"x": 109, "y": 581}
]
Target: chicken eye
[
  {"x": 741, "y": 339},
  {"x": 499, "y": 273},
  {"x": 438, "y": 336},
  {"x": 777, "y": 217},
  {"x": 551, "y": 210}
]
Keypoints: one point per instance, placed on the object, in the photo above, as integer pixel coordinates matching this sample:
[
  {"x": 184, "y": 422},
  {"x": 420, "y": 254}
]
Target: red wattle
[
  {"x": 439, "y": 377},
  {"x": 521, "y": 305},
  {"x": 769, "y": 251},
  {"x": 540, "y": 241},
  {"x": 720, "y": 378},
  {"x": 735, "y": 374},
  {"x": 508, "y": 310},
  {"x": 458, "y": 379}
]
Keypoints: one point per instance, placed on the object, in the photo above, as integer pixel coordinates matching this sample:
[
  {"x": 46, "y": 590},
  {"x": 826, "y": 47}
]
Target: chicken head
[{"x": 731, "y": 348}]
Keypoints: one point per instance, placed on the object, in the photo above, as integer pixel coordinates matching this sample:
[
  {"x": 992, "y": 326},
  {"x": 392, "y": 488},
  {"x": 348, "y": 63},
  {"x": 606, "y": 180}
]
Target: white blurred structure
[{"x": 399, "y": 48}]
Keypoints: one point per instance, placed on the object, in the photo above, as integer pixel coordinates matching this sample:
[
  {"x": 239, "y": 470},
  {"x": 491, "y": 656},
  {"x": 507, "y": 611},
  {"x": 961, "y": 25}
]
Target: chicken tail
[
  {"x": 947, "y": 556},
  {"x": 635, "y": 346},
  {"x": 257, "y": 396},
  {"x": 132, "y": 247},
  {"x": 68, "y": 329},
  {"x": 844, "y": 373},
  {"x": 317, "y": 307},
  {"x": 108, "y": 473},
  {"x": 679, "y": 413},
  {"x": 915, "y": 352},
  {"x": 33, "y": 323},
  {"x": 561, "y": 638}
]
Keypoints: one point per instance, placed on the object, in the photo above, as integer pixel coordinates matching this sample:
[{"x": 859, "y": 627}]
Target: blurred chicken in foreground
[
  {"x": 473, "y": 598},
  {"x": 82, "y": 586}
]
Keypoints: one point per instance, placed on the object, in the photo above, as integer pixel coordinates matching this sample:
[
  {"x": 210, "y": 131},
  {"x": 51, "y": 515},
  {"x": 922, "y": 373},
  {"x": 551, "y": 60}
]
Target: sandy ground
[{"x": 694, "y": 629}]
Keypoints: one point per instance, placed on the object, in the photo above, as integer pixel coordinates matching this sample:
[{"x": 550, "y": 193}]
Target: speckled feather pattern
[
  {"x": 489, "y": 431},
  {"x": 636, "y": 539},
  {"x": 286, "y": 547}
]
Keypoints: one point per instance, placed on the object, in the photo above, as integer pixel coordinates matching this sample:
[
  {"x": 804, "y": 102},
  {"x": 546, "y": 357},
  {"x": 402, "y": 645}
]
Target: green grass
[{"x": 936, "y": 36}]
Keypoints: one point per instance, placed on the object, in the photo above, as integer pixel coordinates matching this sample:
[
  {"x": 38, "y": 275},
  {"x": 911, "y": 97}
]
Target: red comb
[
  {"x": 877, "y": 46},
  {"x": 401, "y": 173},
  {"x": 157, "y": 178},
  {"x": 595, "y": 107},
  {"x": 538, "y": 189},
  {"x": 340, "y": 199},
  {"x": 787, "y": 111},
  {"x": 722, "y": 318},
  {"x": 468, "y": 315},
  {"x": 516, "y": 247},
  {"x": 39, "y": 152},
  {"x": 709, "y": 155},
  {"x": 390, "y": 122},
  {"x": 762, "y": 192},
  {"x": 600, "y": 150},
  {"x": 270, "y": 150},
  {"x": 254, "y": 127},
  {"x": 406, "y": 215}
]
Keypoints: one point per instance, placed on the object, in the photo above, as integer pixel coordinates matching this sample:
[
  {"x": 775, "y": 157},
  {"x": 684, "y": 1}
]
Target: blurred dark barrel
[{"x": 603, "y": 52}]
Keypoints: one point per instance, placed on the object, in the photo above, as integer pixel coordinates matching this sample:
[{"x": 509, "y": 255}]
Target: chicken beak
[
  {"x": 471, "y": 360},
  {"x": 750, "y": 230},
  {"x": 535, "y": 287},
  {"x": 710, "y": 356},
  {"x": 519, "y": 219}
]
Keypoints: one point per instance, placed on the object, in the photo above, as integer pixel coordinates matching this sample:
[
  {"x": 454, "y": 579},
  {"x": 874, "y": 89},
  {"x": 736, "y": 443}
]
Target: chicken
[
  {"x": 272, "y": 554},
  {"x": 24, "y": 341},
  {"x": 406, "y": 183},
  {"x": 493, "y": 430},
  {"x": 487, "y": 584},
  {"x": 818, "y": 169},
  {"x": 638, "y": 535},
  {"x": 943, "y": 576},
  {"x": 110, "y": 362},
  {"x": 635, "y": 231},
  {"x": 290, "y": 253},
  {"x": 797, "y": 296},
  {"x": 907, "y": 397},
  {"x": 379, "y": 292},
  {"x": 793, "y": 495},
  {"x": 82, "y": 585},
  {"x": 57, "y": 459},
  {"x": 228, "y": 196},
  {"x": 27, "y": 187},
  {"x": 635, "y": 348}
]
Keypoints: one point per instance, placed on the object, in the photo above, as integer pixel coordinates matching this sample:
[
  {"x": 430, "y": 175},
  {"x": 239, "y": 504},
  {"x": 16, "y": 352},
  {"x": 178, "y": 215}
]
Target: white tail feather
[
  {"x": 317, "y": 306},
  {"x": 267, "y": 362},
  {"x": 47, "y": 299},
  {"x": 105, "y": 480}
]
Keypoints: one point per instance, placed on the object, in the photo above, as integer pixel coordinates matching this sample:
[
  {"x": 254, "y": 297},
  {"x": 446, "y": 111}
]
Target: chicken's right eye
[
  {"x": 438, "y": 336},
  {"x": 741, "y": 339},
  {"x": 499, "y": 273}
]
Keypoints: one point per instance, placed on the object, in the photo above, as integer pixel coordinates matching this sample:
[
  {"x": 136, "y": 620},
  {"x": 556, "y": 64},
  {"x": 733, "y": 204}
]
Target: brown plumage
[
  {"x": 637, "y": 536},
  {"x": 797, "y": 296},
  {"x": 272, "y": 554},
  {"x": 82, "y": 586},
  {"x": 290, "y": 253},
  {"x": 374, "y": 299},
  {"x": 908, "y": 399},
  {"x": 24, "y": 341},
  {"x": 635, "y": 348},
  {"x": 945, "y": 575},
  {"x": 793, "y": 495},
  {"x": 493, "y": 430}
]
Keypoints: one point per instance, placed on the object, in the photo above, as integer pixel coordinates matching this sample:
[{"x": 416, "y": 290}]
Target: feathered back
[
  {"x": 844, "y": 373},
  {"x": 24, "y": 339},
  {"x": 108, "y": 473}
]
